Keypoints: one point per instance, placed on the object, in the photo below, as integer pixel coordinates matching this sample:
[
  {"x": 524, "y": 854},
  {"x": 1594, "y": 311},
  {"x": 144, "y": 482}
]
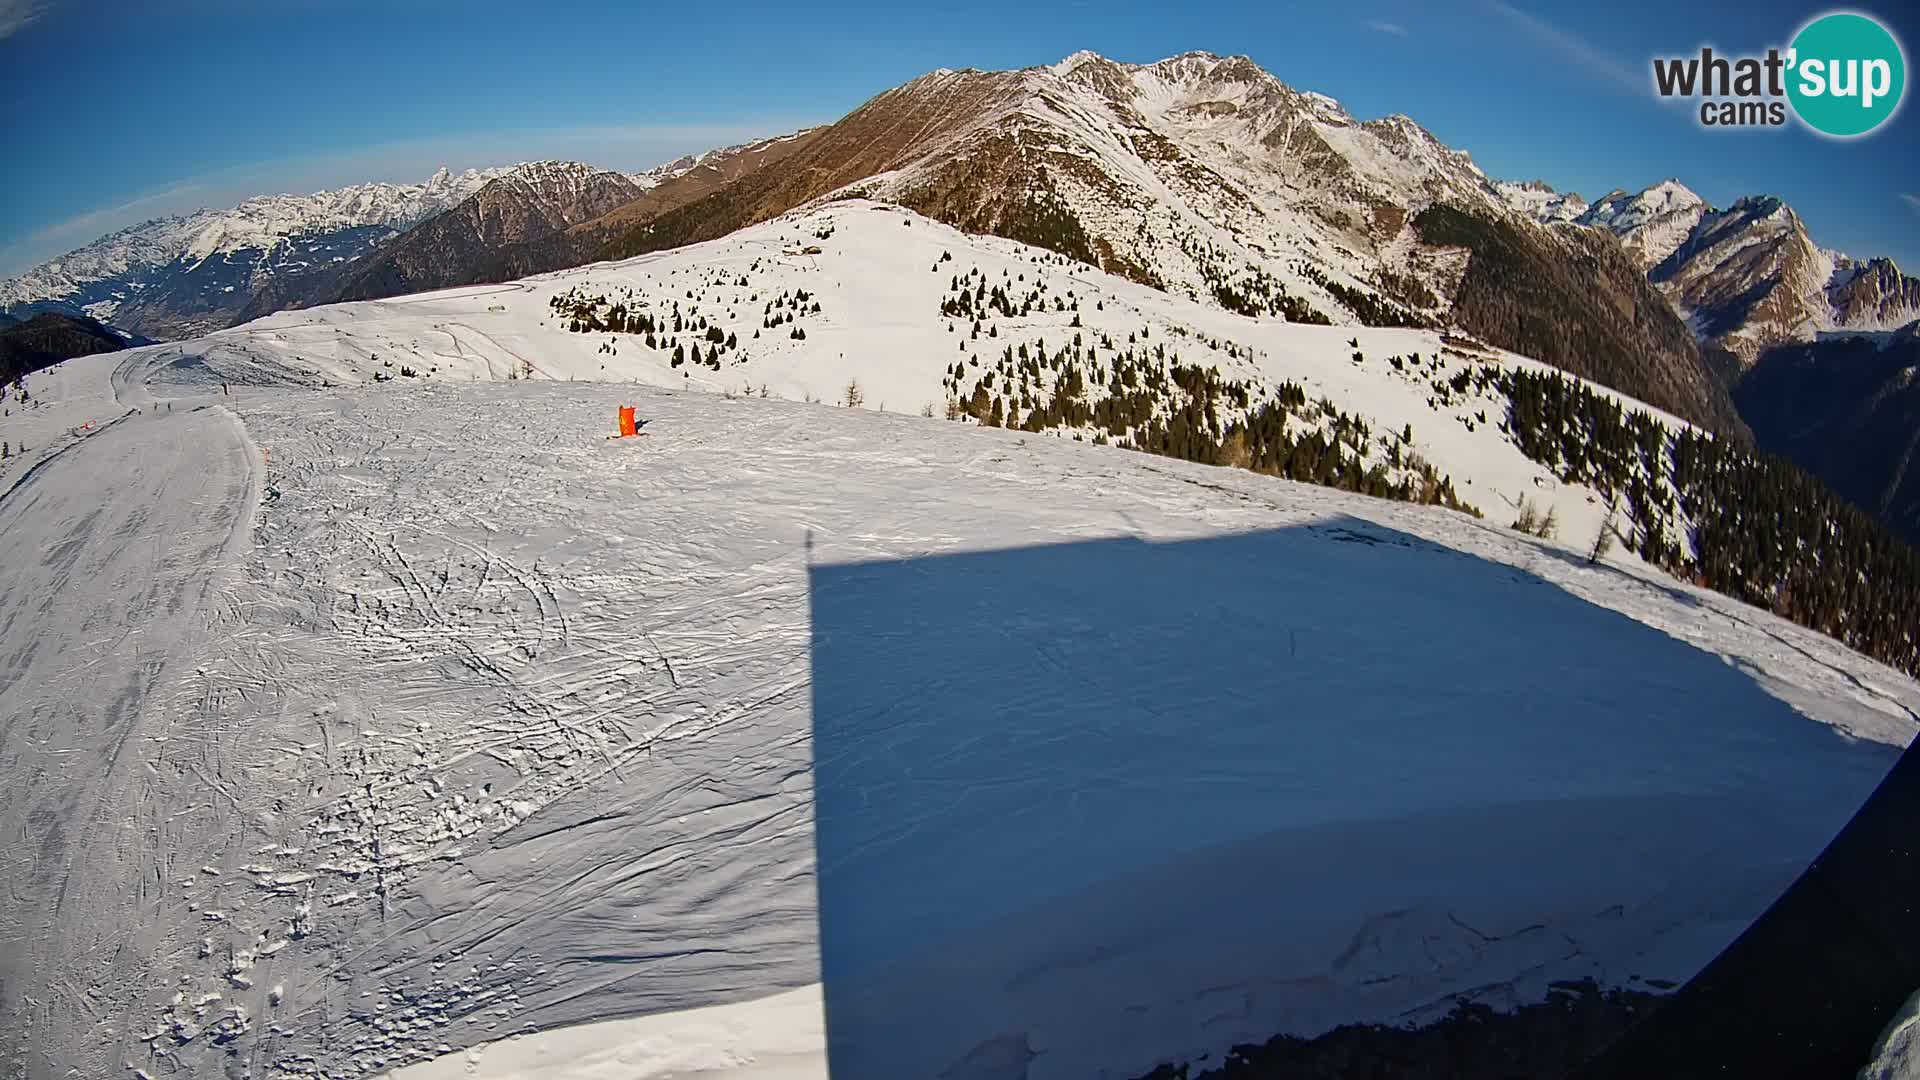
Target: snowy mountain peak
[
  {"x": 553, "y": 176},
  {"x": 1066, "y": 66},
  {"x": 1629, "y": 208},
  {"x": 1761, "y": 208},
  {"x": 1872, "y": 296},
  {"x": 1672, "y": 194},
  {"x": 195, "y": 266},
  {"x": 940, "y": 75},
  {"x": 1653, "y": 223},
  {"x": 266, "y": 220},
  {"x": 1200, "y": 65},
  {"x": 1538, "y": 200},
  {"x": 259, "y": 223},
  {"x": 1746, "y": 277},
  {"x": 558, "y": 192},
  {"x": 1191, "y": 76},
  {"x": 1200, "y": 173},
  {"x": 1622, "y": 212}
]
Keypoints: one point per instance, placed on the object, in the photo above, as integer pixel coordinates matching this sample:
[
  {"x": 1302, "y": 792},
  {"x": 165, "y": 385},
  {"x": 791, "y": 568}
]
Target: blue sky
[{"x": 118, "y": 111}]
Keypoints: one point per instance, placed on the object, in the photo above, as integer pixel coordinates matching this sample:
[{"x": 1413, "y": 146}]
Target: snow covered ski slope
[
  {"x": 861, "y": 292},
  {"x": 350, "y": 724}
]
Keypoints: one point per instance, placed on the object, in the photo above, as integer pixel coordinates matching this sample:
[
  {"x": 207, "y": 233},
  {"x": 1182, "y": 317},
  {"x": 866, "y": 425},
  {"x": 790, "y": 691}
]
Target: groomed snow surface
[{"x": 350, "y": 726}]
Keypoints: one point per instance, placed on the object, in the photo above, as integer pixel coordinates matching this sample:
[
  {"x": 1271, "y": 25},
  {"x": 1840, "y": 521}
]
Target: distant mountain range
[
  {"x": 1819, "y": 348},
  {"x": 1201, "y": 175},
  {"x": 469, "y": 242},
  {"x": 456, "y": 248},
  {"x": 1748, "y": 277},
  {"x": 179, "y": 276}
]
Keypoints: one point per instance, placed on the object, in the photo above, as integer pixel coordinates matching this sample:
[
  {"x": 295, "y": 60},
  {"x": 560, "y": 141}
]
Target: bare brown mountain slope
[
  {"x": 547, "y": 222},
  {"x": 902, "y": 126},
  {"x": 478, "y": 240},
  {"x": 692, "y": 180}
]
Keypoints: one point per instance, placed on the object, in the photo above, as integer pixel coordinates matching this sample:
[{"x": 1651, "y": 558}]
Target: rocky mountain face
[
  {"x": 1872, "y": 295},
  {"x": 50, "y": 337},
  {"x": 683, "y": 181},
  {"x": 1747, "y": 278},
  {"x": 539, "y": 217},
  {"x": 1538, "y": 200},
  {"x": 478, "y": 240},
  {"x": 1191, "y": 173},
  {"x": 1847, "y": 410},
  {"x": 1819, "y": 348},
  {"x": 1650, "y": 224},
  {"x": 1208, "y": 177},
  {"x": 180, "y": 276}
]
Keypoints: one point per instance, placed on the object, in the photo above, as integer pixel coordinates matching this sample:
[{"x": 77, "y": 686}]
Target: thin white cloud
[
  {"x": 1596, "y": 61},
  {"x": 81, "y": 229},
  {"x": 16, "y": 14},
  {"x": 94, "y": 219},
  {"x": 1386, "y": 27},
  {"x": 1912, "y": 200}
]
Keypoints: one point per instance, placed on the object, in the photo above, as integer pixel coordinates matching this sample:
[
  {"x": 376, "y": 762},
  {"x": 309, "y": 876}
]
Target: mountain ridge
[
  {"x": 451, "y": 251},
  {"x": 1747, "y": 277},
  {"x": 1199, "y": 174},
  {"x": 190, "y": 273},
  {"x": 463, "y": 245}
]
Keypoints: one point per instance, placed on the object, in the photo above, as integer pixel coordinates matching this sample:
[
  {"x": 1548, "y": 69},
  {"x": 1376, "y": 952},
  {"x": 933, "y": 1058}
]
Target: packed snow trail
[{"x": 117, "y": 542}]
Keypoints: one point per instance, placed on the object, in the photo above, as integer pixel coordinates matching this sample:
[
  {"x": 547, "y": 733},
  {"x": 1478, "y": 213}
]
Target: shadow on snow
[{"x": 1084, "y": 807}]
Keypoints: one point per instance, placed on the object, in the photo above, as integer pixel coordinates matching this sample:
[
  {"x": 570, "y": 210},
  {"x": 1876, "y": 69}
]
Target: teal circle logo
[{"x": 1847, "y": 74}]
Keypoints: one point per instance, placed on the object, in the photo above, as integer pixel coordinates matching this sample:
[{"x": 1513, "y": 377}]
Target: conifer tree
[{"x": 1603, "y": 542}]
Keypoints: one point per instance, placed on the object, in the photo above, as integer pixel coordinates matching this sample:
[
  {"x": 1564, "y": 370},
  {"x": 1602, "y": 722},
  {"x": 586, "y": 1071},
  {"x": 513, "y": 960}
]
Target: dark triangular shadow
[{"x": 1114, "y": 802}]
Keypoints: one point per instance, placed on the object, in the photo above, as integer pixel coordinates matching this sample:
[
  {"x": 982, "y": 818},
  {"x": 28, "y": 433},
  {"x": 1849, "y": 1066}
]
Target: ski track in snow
[
  {"x": 417, "y": 716},
  {"x": 138, "y": 528}
]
